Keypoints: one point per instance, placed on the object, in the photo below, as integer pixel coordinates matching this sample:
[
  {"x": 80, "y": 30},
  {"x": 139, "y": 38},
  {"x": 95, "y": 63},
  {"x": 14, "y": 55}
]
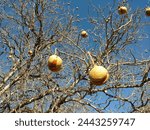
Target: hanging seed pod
[
  {"x": 30, "y": 52},
  {"x": 98, "y": 75},
  {"x": 122, "y": 10},
  {"x": 84, "y": 34},
  {"x": 147, "y": 11},
  {"x": 55, "y": 63}
]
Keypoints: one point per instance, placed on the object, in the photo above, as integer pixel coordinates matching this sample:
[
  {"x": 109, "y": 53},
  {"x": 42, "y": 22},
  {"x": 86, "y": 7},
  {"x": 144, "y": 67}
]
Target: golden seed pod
[
  {"x": 122, "y": 10},
  {"x": 55, "y": 63},
  {"x": 84, "y": 34},
  {"x": 98, "y": 75},
  {"x": 147, "y": 11}
]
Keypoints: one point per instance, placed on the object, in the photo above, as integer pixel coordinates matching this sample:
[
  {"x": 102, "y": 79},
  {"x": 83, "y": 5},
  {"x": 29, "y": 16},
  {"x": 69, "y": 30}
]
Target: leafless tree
[{"x": 45, "y": 27}]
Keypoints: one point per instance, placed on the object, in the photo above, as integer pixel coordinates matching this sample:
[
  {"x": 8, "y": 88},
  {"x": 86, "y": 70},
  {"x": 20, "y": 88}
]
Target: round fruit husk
[
  {"x": 84, "y": 34},
  {"x": 98, "y": 75},
  {"x": 55, "y": 63},
  {"x": 147, "y": 12},
  {"x": 122, "y": 10},
  {"x": 30, "y": 52}
]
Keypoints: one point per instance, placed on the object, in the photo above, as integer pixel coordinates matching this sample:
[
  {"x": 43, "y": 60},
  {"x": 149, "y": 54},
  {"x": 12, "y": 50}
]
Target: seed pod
[
  {"x": 84, "y": 34},
  {"x": 98, "y": 75},
  {"x": 147, "y": 11},
  {"x": 55, "y": 63},
  {"x": 122, "y": 10}
]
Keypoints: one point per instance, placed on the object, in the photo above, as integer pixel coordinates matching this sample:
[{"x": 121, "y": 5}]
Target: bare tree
[{"x": 31, "y": 31}]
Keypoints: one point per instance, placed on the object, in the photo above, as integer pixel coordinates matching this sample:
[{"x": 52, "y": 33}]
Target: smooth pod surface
[
  {"x": 98, "y": 75},
  {"x": 54, "y": 63},
  {"x": 84, "y": 34},
  {"x": 122, "y": 10},
  {"x": 147, "y": 11}
]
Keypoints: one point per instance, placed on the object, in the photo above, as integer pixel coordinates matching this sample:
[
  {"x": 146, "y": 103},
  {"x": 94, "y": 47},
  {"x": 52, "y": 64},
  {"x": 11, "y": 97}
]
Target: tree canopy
[{"x": 31, "y": 31}]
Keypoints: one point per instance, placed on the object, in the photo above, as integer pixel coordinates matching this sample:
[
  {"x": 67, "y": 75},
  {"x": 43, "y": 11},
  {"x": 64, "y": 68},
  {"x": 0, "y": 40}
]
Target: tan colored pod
[
  {"x": 98, "y": 75},
  {"x": 147, "y": 11},
  {"x": 30, "y": 52},
  {"x": 122, "y": 10},
  {"x": 84, "y": 34},
  {"x": 55, "y": 63}
]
